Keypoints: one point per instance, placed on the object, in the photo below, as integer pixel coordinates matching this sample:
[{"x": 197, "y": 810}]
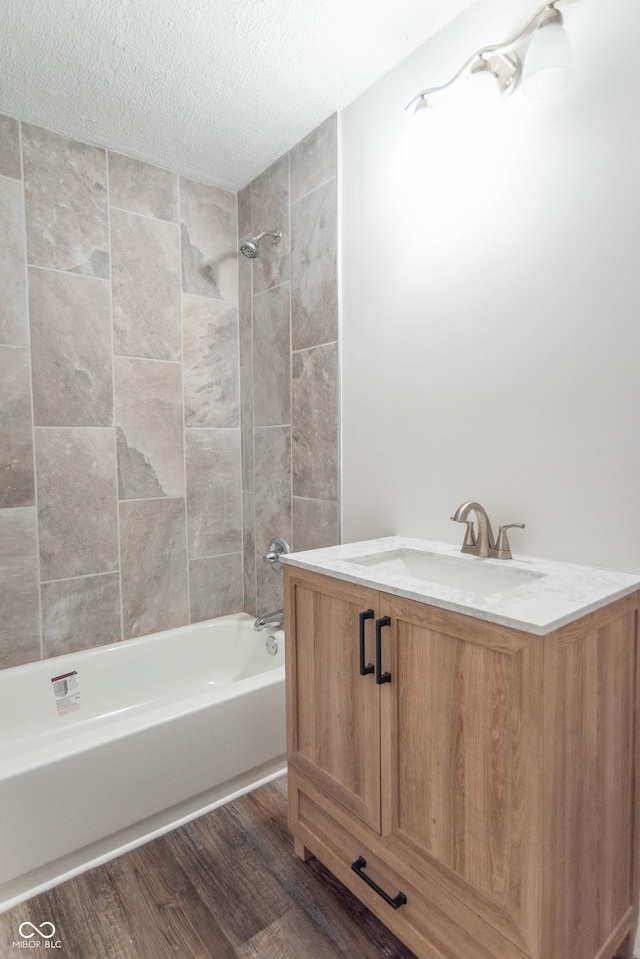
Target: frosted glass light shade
[{"x": 547, "y": 68}]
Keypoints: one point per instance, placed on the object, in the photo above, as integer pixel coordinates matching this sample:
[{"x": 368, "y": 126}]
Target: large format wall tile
[
  {"x": 269, "y": 589},
  {"x": 71, "y": 349},
  {"x": 209, "y": 241},
  {"x": 271, "y": 357},
  {"x": 273, "y": 489},
  {"x": 249, "y": 552},
  {"x": 270, "y": 377},
  {"x": 244, "y": 213},
  {"x": 66, "y": 197},
  {"x": 245, "y": 280},
  {"x": 315, "y": 158},
  {"x": 214, "y": 496},
  {"x": 210, "y": 339},
  {"x": 142, "y": 188},
  {"x": 245, "y": 311},
  {"x": 146, "y": 287},
  {"x": 16, "y": 433},
  {"x": 269, "y": 204},
  {"x": 13, "y": 299},
  {"x": 10, "y": 148},
  {"x": 153, "y": 546},
  {"x": 80, "y": 613},
  {"x": 315, "y": 524},
  {"x": 315, "y": 423},
  {"x": 246, "y": 408},
  {"x": 216, "y": 586},
  {"x": 19, "y": 600},
  {"x": 96, "y": 310},
  {"x": 76, "y": 478},
  {"x": 314, "y": 287},
  {"x": 149, "y": 428}
]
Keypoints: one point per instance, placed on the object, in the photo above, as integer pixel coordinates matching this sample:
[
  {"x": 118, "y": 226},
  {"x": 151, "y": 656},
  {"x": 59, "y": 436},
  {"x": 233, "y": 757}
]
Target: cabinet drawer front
[
  {"x": 333, "y": 708},
  {"x": 461, "y": 757},
  {"x": 433, "y": 925}
]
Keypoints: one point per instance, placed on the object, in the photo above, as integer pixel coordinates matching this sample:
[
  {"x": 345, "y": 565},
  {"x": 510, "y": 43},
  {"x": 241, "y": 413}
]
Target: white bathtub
[{"x": 157, "y": 731}]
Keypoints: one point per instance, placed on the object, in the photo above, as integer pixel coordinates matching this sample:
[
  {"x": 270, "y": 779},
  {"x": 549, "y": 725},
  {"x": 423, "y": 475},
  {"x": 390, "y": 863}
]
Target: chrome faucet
[
  {"x": 484, "y": 545},
  {"x": 270, "y": 621}
]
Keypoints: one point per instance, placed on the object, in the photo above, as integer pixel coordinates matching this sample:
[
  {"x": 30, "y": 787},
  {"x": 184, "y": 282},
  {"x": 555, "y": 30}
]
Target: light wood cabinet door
[
  {"x": 461, "y": 748},
  {"x": 333, "y": 712}
]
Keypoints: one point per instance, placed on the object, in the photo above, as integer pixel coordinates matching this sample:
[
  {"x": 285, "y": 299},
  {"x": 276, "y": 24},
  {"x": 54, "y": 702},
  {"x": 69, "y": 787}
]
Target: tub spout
[{"x": 270, "y": 620}]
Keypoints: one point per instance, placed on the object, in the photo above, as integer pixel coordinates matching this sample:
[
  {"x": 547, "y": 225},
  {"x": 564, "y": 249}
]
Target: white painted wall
[{"x": 491, "y": 300}]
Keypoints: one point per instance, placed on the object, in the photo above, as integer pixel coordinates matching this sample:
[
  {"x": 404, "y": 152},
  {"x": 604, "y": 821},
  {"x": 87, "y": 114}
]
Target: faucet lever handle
[
  {"x": 277, "y": 547},
  {"x": 469, "y": 536},
  {"x": 503, "y": 550},
  {"x": 469, "y": 544}
]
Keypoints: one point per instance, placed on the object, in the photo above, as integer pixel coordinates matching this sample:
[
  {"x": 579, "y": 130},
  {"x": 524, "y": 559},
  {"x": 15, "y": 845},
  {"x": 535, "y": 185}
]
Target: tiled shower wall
[
  {"x": 120, "y": 463},
  {"x": 289, "y": 360}
]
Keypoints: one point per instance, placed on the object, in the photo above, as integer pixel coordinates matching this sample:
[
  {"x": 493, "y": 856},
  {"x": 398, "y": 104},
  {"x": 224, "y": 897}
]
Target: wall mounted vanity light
[{"x": 546, "y": 70}]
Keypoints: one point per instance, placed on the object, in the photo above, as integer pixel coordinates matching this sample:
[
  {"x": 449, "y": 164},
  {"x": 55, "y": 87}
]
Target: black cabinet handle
[
  {"x": 380, "y": 676},
  {"x": 395, "y": 903},
  {"x": 368, "y": 614}
]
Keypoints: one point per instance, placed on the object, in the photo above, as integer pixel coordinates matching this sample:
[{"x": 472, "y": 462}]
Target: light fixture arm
[{"x": 500, "y": 59}]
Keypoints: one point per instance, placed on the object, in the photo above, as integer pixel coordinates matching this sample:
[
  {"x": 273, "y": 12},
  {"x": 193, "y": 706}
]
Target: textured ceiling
[{"x": 214, "y": 89}]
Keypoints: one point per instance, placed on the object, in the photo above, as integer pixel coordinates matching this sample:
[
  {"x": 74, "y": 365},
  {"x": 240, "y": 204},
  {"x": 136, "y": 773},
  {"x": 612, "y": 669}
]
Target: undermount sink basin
[{"x": 470, "y": 574}]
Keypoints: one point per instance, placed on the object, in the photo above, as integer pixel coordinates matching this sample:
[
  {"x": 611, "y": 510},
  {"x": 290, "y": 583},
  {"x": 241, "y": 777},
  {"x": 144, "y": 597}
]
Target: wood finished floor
[{"x": 226, "y": 886}]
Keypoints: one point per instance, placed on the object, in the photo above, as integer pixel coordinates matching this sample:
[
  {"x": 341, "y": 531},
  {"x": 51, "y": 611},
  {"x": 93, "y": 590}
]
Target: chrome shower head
[
  {"x": 249, "y": 248},
  {"x": 249, "y": 245}
]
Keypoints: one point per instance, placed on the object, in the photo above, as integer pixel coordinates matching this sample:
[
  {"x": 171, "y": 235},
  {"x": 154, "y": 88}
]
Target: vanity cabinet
[{"x": 480, "y": 799}]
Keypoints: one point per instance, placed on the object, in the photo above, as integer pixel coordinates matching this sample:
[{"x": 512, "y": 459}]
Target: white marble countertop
[{"x": 547, "y": 596}]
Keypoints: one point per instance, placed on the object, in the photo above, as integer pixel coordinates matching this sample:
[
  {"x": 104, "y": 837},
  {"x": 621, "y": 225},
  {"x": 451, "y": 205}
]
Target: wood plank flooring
[{"x": 226, "y": 886}]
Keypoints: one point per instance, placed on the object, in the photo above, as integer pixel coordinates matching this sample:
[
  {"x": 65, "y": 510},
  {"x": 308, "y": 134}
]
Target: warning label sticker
[{"x": 66, "y": 689}]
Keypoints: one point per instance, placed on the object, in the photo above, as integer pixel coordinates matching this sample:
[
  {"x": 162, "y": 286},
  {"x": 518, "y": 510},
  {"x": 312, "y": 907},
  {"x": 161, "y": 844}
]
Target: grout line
[
  {"x": 253, "y": 439},
  {"x": 269, "y": 289},
  {"x": 113, "y": 403},
  {"x": 316, "y": 499},
  {"x": 13, "y": 179},
  {"x": 184, "y": 420},
  {"x": 290, "y": 364},
  {"x": 234, "y": 552},
  {"x": 108, "y": 427},
  {"x": 150, "y": 499},
  {"x": 318, "y": 187},
  {"x": 239, "y": 382},
  {"x": 150, "y": 359},
  {"x": 254, "y": 597},
  {"x": 69, "y": 579},
  {"x": 33, "y": 409},
  {"x": 14, "y": 346},
  {"x": 209, "y": 299},
  {"x": 316, "y": 346},
  {"x": 84, "y": 276},
  {"x": 213, "y": 429},
  {"x": 274, "y": 426},
  {"x": 144, "y": 216}
]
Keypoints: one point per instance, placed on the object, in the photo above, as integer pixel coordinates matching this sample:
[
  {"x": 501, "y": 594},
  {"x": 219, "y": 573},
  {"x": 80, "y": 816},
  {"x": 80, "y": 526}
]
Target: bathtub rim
[
  {"x": 78, "y": 734},
  {"x": 79, "y": 740},
  {"x": 132, "y": 642}
]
